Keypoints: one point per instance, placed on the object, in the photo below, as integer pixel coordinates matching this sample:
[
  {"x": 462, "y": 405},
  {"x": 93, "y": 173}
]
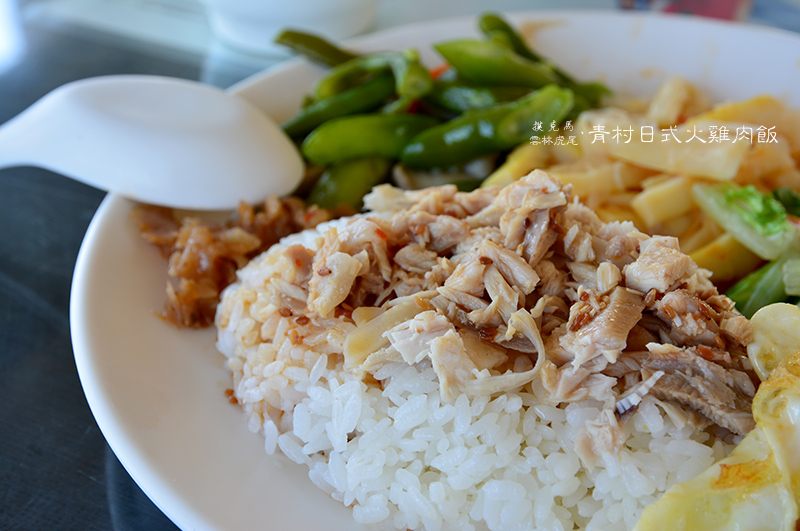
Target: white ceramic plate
[{"x": 158, "y": 393}]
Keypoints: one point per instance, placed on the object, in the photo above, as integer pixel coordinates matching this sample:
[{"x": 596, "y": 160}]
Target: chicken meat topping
[
  {"x": 204, "y": 256},
  {"x": 498, "y": 287}
]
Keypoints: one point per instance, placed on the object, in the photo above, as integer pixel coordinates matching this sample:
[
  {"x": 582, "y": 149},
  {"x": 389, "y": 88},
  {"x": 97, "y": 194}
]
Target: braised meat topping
[{"x": 498, "y": 287}]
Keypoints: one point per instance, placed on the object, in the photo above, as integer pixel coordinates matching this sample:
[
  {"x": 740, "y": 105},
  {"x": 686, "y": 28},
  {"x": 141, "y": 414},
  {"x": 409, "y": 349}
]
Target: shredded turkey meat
[{"x": 498, "y": 287}]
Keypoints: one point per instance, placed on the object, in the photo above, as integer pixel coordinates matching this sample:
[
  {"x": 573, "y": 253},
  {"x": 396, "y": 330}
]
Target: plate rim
[{"x": 249, "y": 82}]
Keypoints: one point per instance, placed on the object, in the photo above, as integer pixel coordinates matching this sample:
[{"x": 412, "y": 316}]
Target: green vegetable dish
[{"x": 454, "y": 124}]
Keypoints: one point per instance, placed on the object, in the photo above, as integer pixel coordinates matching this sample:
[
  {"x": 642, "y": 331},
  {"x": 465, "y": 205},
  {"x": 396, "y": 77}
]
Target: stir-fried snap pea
[
  {"x": 365, "y": 135},
  {"x": 548, "y": 105},
  {"x": 588, "y": 95},
  {"x": 501, "y": 38},
  {"x": 592, "y": 91},
  {"x": 461, "y": 97},
  {"x": 314, "y": 47},
  {"x": 490, "y": 25},
  {"x": 348, "y": 182},
  {"x": 461, "y": 139},
  {"x": 359, "y": 99},
  {"x": 411, "y": 78},
  {"x": 477, "y": 133},
  {"x": 490, "y": 63},
  {"x": 789, "y": 199},
  {"x": 401, "y": 105},
  {"x": 493, "y": 91}
]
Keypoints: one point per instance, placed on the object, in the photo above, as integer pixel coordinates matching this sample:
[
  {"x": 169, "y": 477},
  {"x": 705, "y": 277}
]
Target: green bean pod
[
  {"x": 592, "y": 92},
  {"x": 492, "y": 24},
  {"x": 359, "y": 99},
  {"x": 399, "y": 106},
  {"x": 469, "y": 136},
  {"x": 480, "y": 132},
  {"x": 314, "y": 47},
  {"x": 790, "y": 200},
  {"x": 549, "y": 104},
  {"x": 348, "y": 182},
  {"x": 489, "y": 63},
  {"x": 366, "y": 135},
  {"x": 411, "y": 78},
  {"x": 461, "y": 97}
]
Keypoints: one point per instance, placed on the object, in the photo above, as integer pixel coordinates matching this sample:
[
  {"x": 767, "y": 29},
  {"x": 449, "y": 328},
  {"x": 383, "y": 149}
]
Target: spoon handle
[{"x": 15, "y": 142}]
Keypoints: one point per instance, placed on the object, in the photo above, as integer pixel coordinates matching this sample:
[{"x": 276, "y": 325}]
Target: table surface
[{"x": 56, "y": 470}]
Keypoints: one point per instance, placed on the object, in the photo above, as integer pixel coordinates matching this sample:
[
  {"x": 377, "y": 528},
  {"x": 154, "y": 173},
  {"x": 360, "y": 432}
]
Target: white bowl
[{"x": 252, "y": 25}]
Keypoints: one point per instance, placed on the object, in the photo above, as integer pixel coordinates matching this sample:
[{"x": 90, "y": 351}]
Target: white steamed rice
[{"x": 404, "y": 460}]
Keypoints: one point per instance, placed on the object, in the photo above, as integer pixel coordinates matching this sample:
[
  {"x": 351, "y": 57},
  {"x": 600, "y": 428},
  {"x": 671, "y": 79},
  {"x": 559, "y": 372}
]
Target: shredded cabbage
[{"x": 758, "y": 221}]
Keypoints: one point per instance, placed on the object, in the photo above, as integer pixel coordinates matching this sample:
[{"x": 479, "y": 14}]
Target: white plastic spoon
[{"x": 158, "y": 140}]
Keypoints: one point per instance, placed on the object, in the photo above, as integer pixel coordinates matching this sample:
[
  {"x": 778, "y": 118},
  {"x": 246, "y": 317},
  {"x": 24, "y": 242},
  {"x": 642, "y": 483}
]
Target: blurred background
[
  {"x": 56, "y": 471},
  {"x": 231, "y": 36}
]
